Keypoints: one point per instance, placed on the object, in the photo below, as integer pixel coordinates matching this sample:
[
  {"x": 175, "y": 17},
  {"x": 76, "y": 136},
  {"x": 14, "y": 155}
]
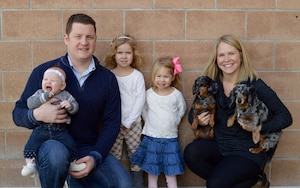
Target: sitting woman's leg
[
  {"x": 201, "y": 156},
  {"x": 233, "y": 172}
]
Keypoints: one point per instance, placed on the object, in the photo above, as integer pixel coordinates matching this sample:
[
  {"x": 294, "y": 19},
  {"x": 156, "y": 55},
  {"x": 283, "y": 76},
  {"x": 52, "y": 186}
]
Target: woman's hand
[
  {"x": 50, "y": 113},
  {"x": 89, "y": 161},
  {"x": 204, "y": 118}
]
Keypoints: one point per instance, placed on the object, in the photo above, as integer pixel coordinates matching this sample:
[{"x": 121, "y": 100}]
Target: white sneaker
[
  {"x": 77, "y": 167},
  {"x": 29, "y": 170}
]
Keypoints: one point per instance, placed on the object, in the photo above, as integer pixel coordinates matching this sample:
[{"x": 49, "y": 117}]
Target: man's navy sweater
[{"x": 97, "y": 123}]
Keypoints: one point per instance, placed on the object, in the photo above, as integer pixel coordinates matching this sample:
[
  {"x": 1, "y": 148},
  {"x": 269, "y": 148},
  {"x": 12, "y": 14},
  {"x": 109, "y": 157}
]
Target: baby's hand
[
  {"x": 65, "y": 104},
  {"x": 51, "y": 95}
]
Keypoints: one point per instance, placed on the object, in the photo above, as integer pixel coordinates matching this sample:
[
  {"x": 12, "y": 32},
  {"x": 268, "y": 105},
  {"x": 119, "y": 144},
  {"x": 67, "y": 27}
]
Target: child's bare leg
[
  {"x": 171, "y": 181},
  {"x": 152, "y": 181}
]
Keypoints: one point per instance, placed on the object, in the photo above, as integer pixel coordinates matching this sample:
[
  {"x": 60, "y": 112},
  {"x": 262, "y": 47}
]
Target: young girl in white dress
[{"x": 165, "y": 106}]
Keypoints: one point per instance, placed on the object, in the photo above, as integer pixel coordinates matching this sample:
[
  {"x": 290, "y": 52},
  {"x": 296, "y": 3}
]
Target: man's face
[{"x": 81, "y": 43}]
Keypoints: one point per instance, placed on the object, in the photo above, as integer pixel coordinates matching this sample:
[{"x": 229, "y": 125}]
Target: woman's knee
[{"x": 190, "y": 152}]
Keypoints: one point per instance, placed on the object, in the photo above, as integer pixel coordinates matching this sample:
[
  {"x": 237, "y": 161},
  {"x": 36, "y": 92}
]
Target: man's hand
[
  {"x": 89, "y": 161},
  {"x": 50, "y": 113}
]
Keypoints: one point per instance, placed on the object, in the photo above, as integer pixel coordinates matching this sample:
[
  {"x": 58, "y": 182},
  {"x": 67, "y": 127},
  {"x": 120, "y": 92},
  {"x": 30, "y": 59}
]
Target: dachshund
[
  {"x": 253, "y": 112},
  {"x": 267, "y": 142},
  {"x": 204, "y": 88}
]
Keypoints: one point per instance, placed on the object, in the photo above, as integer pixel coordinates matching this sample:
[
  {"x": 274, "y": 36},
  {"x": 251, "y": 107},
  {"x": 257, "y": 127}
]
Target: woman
[{"x": 226, "y": 161}]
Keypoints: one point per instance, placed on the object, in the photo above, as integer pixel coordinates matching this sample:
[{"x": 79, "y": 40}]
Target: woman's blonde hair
[
  {"x": 109, "y": 59},
  {"x": 246, "y": 70},
  {"x": 166, "y": 62}
]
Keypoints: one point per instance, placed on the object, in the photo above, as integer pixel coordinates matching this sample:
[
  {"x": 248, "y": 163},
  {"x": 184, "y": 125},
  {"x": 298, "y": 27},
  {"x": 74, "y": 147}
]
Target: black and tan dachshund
[
  {"x": 204, "y": 88},
  {"x": 253, "y": 112}
]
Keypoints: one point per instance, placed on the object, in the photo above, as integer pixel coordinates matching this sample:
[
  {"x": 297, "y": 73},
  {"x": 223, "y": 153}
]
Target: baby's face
[{"x": 52, "y": 82}]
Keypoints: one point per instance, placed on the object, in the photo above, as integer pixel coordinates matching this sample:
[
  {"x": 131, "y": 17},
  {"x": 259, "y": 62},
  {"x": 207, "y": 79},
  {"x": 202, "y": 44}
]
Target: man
[{"x": 96, "y": 124}]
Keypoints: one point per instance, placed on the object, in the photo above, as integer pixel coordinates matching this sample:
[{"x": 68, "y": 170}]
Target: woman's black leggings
[{"x": 203, "y": 157}]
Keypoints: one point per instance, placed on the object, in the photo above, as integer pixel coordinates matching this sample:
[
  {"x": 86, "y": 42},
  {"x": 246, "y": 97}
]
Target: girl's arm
[{"x": 140, "y": 96}]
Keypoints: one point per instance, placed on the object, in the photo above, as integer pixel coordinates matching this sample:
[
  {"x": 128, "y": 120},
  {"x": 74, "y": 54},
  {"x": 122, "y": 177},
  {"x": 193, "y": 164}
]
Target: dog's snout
[{"x": 239, "y": 100}]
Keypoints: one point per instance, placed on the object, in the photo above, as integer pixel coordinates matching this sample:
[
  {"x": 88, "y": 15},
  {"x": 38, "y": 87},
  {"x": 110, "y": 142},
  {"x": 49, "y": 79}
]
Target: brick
[
  {"x": 108, "y": 23},
  {"x": 6, "y": 122},
  {"x": 286, "y": 146},
  {"x": 46, "y": 51},
  {"x": 5, "y": 4},
  {"x": 147, "y": 77},
  {"x": 2, "y": 145},
  {"x": 184, "y": 4},
  {"x": 15, "y": 142},
  {"x": 145, "y": 48},
  {"x": 188, "y": 136},
  {"x": 285, "y": 173},
  {"x": 122, "y": 4},
  {"x": 246, "y": 4},
  {"x": 261, "y": 54},
  {"x": 101, "y": 49},
  {"x": 294, "y": 108},
  {"x": 153, "y": 25},
  {"x": 288, "y": 4},
  {"x": 273, "y": 25},
  {"x": 213, "y": 24},
  {"x": 1, "y": 87},
  {"x": 13, "y": 59},
  {"x": 60, "y": 4},
  {"x": 184, "y": 125},
  {"x": 28, "y": 25},
  {"x": 14, "y": 83},
  {"x": 12, "y": 176},
  {"x": 193, "y": 55},
  {"x": 285, "y": 88},
  {"x": 287, "y": 55},
  {"x": 189, "y": 81}
]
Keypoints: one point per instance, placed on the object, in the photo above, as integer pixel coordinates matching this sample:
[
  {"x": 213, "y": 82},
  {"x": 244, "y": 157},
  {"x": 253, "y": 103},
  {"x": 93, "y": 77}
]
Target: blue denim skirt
[{"x": 159, "y": 155}]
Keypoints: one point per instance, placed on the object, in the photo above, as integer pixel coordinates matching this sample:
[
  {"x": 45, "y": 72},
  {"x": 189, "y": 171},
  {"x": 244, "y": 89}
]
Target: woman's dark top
[{"x": 237, "y": 141}]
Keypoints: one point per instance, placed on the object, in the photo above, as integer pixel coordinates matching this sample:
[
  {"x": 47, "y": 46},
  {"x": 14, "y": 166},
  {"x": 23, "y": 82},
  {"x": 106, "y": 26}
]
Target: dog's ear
[
  {"x": 196, "y": 87},
  {"x": 213, "y": 87},
  {"x": 232, "y": 96},
  {"x": 252, "y": 94}
]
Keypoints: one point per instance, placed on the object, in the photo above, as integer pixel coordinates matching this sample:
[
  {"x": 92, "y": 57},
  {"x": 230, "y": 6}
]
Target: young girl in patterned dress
[
  {"x": 165, "y": 106},
  {"x": 125, "y": 62}
]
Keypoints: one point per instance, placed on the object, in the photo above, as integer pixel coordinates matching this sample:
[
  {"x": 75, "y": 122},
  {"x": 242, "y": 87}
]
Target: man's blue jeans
[{"x": 53, "y": 164}]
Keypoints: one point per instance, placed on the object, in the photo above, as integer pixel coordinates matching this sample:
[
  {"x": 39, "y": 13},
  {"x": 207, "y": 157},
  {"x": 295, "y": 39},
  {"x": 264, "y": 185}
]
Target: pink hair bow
[{"x": 177, "y": 66}]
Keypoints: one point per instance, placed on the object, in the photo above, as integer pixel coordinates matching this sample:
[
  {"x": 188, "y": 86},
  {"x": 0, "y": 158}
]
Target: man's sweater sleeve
[{"x": 22, "y": 116}]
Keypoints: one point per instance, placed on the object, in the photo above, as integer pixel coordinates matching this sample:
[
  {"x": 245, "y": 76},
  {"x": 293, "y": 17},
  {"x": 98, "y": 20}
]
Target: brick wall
[{"x": 32, "y": 32}]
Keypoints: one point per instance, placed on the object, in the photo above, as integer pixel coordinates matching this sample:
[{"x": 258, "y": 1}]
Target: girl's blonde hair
[
  {"x": 109, "y": 59},
  {"x": 166, "y": 62},
  {"x": 246, "y": 70}
]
